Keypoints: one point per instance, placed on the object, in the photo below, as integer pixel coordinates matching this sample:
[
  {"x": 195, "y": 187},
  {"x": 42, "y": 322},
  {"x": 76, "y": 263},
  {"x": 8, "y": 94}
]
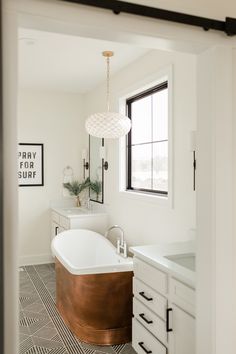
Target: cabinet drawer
[
  {"x": 55, "y": 217},
  {"x": 144, "y": 342},
  {"x": 149, "y": 320},
  {"x": 64, "y": 222},
  {"x": 154, "y": 301},
  {"x": 151, "y": 276},
  {"x": 182, "y": 295}
]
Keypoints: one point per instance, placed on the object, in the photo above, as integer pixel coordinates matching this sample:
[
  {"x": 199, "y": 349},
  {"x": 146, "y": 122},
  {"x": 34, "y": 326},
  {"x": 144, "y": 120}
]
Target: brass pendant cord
[
  {"x": 108, "y": 84},
  {"x": 108, "y": 54}
]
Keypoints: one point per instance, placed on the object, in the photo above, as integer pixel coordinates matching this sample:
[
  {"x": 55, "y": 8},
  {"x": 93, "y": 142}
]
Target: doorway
[{"x": 92, "y": 23}]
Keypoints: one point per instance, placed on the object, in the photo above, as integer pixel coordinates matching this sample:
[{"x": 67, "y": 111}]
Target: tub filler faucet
[{"x": 121, "y": 244}]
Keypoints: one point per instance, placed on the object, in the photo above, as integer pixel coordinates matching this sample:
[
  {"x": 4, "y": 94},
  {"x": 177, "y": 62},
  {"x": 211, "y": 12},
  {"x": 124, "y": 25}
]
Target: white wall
[
  {"x": 147, "y": 222},
  {"x": 205, "y": 176},
  {"x": 215, "y": 214},
  {"x": 11, "y": 239},
  {"x": 234, "y": 185},
  {"x": 56, "y": 120},
  {"x": 224, "y": 218}
]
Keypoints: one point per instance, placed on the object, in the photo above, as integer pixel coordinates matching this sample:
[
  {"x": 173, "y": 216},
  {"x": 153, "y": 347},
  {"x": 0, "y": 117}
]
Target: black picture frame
[{"x": 38, "y": 171}]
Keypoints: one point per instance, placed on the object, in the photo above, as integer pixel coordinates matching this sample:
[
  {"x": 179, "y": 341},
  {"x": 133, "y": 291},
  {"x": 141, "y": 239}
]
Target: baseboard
[{"x": 35, "y": 259}]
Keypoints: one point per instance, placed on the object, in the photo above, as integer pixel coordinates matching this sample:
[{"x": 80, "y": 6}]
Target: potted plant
[{"x": 75, "y": 188}]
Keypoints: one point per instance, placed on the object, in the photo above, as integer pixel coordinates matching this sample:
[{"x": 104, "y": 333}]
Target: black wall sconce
[
  {"x": 103, "y": 157},
  {"x": 105, "y": 165},
  {"x": 192, "y": 145},
  {"x": 85, "y": 163}
]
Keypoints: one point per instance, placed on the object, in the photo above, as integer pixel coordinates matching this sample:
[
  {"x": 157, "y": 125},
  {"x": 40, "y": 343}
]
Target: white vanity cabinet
[
  {"x": 182, "y": 338},
  {"x": 75, "y": 218},
  {"x": 56, "y": 224},
  {"x": 163, "y": 308},
  {"x": 56, "y": 229},
  {"x": 182, "y": 305}
]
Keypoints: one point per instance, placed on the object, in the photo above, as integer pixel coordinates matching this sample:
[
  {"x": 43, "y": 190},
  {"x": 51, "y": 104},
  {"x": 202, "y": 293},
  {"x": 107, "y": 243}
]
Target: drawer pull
[
  {"x": 144, "y": 318},
  {"x": 56, "y": 230},
  {"x": 145, "y": 297},
  {"x": 168, "y": 329},
  {"x": 141, "y": 344}
]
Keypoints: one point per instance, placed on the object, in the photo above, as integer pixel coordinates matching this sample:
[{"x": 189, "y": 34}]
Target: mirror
[{"x": 96, "y": 171}]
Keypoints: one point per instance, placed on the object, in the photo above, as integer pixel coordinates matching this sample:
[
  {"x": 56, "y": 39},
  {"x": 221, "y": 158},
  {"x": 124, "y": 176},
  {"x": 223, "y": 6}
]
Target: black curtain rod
[{"x": 228, "y": 26}]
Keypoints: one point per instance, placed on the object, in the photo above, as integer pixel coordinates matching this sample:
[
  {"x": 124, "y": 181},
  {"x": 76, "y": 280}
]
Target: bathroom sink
[{"x": 187, "y": 260}]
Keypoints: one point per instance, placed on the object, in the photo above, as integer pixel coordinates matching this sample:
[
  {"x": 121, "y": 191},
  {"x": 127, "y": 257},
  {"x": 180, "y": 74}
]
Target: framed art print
[{"x": 30, "y": 165}]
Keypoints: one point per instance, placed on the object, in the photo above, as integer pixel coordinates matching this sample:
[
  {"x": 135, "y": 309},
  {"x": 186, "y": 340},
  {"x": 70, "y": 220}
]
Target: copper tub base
[
  {"x": 99, "y": 337},
  {"x": 96, "y": 307}
]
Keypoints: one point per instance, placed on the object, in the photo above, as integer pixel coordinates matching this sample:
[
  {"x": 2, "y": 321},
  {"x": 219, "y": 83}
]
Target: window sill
[{"x": 158, "y": 199}]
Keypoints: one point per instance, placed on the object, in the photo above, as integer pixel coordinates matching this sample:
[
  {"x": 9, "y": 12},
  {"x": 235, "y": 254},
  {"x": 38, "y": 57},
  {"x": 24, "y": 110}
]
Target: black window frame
[{"x": 162, "y": 86}]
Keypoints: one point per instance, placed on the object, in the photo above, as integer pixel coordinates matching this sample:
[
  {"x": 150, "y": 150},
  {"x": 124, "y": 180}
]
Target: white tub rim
[{"x": 122, "y": 265}]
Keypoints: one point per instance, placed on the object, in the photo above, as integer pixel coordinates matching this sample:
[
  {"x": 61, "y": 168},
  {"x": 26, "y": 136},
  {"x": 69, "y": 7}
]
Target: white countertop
[
  {"x": 75, "y": 212},
  {"x": 155, "y": 255}
]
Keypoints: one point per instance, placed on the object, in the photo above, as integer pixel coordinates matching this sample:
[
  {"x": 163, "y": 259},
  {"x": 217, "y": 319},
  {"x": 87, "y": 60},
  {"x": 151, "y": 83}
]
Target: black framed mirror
[{"x": 96, "y": 170}]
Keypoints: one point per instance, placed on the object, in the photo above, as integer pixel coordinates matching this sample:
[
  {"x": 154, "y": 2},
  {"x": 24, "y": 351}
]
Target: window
[{"x": 147, "y": 142}]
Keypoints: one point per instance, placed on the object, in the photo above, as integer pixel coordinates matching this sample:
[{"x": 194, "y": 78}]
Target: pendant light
[{"x": 108, "y": 124}]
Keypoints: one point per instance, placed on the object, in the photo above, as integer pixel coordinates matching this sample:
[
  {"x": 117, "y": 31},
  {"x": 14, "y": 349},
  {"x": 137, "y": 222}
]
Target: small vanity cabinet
[
  {"x": 163, "y": 307},
  {"x": 76, "y": 218}
]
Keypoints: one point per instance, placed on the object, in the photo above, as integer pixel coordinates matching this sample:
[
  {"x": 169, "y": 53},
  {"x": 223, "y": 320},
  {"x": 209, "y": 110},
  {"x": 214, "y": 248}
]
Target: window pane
[
  {"x": 142, "y": 121},
  {"x": 141, "y": 166},
  {"x": 160, "y": 115},
  {"x": 160, "y": 166}
]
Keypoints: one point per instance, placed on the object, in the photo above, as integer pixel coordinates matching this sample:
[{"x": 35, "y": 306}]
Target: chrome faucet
[{"x": 121, "y": 244}]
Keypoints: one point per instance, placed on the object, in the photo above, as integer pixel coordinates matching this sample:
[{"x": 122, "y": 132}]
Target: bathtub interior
[{"x": 85, "y": 249}]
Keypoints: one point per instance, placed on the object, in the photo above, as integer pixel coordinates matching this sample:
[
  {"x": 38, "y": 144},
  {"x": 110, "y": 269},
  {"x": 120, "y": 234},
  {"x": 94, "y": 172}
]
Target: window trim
[
  {"x": 145, "y": 93},
  {"x": 164, "y": 73}
]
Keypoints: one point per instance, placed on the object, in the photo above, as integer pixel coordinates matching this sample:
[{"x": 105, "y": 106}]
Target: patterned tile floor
[{"x": 42, "y": 330}]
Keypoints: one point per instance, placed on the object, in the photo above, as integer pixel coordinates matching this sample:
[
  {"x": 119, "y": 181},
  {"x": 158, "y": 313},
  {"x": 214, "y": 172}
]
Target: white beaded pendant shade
[{"x": 108, "y": 124}]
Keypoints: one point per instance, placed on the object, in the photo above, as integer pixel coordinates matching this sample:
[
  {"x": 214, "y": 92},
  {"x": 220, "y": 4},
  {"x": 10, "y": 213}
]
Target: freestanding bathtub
[{"x": 93, "y": 287}]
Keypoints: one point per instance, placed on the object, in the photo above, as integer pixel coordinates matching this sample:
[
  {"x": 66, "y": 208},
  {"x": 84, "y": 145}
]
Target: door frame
[
  {"x": 68, "y": 18},
  {"x": 1, "y": 198}
]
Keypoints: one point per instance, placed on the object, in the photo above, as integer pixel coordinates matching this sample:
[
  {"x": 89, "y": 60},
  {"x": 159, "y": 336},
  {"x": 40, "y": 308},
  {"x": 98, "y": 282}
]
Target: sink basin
[{"x": 187, "y": 260}]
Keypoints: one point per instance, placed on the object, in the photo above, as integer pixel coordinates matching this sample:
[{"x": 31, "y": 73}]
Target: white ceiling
[{"x": 52, "y": 61}]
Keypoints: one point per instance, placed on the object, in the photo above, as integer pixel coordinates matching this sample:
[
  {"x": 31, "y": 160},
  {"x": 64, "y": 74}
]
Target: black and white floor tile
[{"x": 42, "y": 330}]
